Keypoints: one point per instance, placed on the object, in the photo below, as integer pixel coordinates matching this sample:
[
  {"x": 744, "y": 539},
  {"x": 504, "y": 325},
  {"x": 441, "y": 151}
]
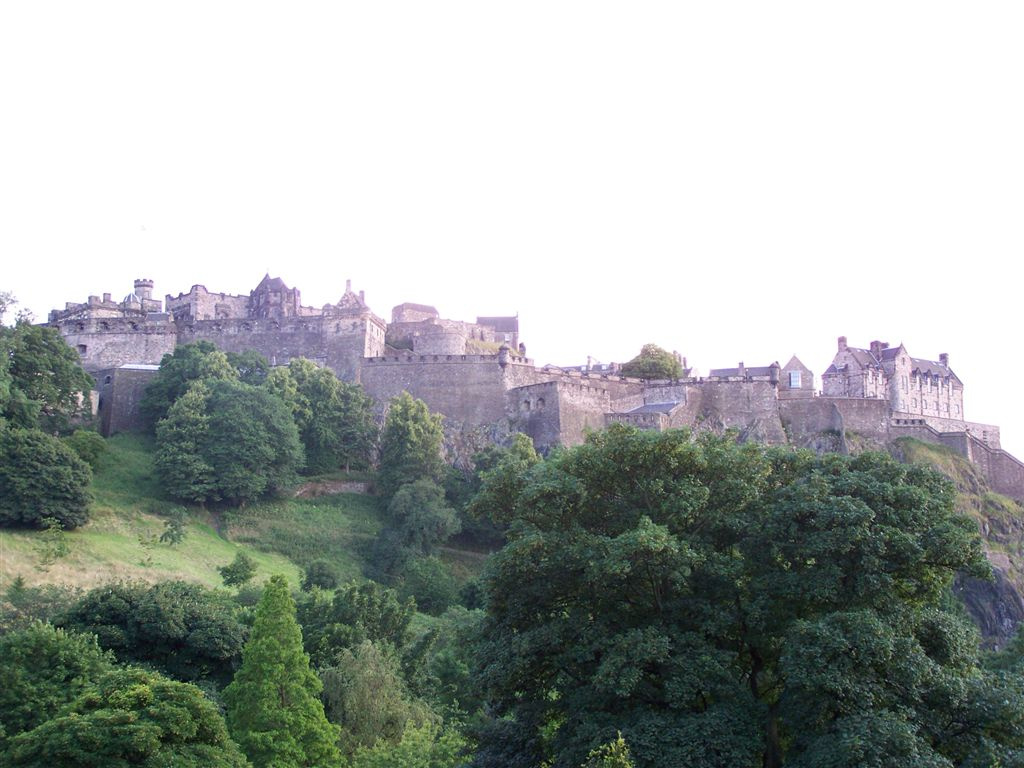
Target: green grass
[
  {"x": 331, "y": 528},
  {"x": 121, "y": 539}
]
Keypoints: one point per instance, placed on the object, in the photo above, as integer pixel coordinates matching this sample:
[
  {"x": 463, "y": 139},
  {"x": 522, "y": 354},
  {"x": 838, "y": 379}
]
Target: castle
[{"x": 478, "y": 375}]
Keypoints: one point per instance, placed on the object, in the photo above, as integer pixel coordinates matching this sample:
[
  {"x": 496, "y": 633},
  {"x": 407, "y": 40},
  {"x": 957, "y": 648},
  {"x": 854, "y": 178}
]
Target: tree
[
  {"x": 420, "y": 518},
  {"x": 188, "y": 363},
  {"x": 239, "y": 571},
  {"x": 729, "y": 605},
  {"x": 653, "y": 362},
  {"x": 186, "y": 631},
  {"x": 130, "y": 717},
  {"x": 227, "y": 441},
  {"x": 354, "y": 613},
  {"x": 320, "y": 574},
  {"x": 41, "y": 670},
  {"x": 46, "y": 386},
  {"x": 40, "y": 479},
  {"x": 273, "y": 706},
  {"x": 364, "y": 694},
  {"x": 410, "y": 445},
  {"x": 252, "y": 367},
  {"x": 421, "y": 746},
  {"x": 334, "y": 418}
]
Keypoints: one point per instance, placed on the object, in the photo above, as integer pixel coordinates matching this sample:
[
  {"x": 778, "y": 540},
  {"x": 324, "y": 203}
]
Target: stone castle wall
[{"x": 111, "y": 342}]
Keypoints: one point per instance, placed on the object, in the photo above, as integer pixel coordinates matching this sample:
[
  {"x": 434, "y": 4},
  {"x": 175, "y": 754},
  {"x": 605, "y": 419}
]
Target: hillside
[
  {"x": 121, "y": 541},
  {"x": 997, "y": 606}
]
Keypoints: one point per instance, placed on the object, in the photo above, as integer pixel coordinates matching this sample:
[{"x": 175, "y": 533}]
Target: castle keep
[{"x": 478, "y": 375}]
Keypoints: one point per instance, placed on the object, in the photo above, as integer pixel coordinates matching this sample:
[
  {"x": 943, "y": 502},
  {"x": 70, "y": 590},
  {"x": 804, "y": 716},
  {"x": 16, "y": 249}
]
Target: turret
[{"x": 144, "y": 288}]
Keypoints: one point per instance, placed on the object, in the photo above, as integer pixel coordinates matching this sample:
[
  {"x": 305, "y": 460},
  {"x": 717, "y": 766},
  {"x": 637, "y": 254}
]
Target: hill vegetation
[{"x": 655, "y": 598}]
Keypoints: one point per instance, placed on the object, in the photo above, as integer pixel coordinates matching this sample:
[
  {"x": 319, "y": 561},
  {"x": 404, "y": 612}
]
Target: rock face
[{"x": 996, "y": 606}]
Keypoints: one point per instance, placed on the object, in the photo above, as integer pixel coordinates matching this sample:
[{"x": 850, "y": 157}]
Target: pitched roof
[{"x": 269, "y": 283}]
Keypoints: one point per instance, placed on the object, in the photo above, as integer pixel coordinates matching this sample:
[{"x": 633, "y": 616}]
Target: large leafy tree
[
  {"x": 41, "y": 670},
  {"x": 130, "y": 717},
  {"x": 41, "y": 479},
  {"x": 355, "y": 612},
  {"x": 334, "y": 418},
  {"x": 227, "y": 441},
  {"x": 410, "y": 445},
  {"x": 653, "y": 362},
  {"x": 273, "y": 706},
  {"x": 183, "y": 629},
  {"x": 42, "y": 383},
  {"x": 726, "y": 605},
  {"x": 178, "y": 370}
]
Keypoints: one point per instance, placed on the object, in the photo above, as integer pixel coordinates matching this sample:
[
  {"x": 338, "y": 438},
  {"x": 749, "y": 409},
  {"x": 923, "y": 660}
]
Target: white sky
[{"x": 733, "y": 180}]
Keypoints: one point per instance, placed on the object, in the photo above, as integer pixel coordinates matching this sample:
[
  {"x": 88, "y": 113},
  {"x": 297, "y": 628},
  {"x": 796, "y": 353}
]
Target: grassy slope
[{"x": 120, "y": 541}]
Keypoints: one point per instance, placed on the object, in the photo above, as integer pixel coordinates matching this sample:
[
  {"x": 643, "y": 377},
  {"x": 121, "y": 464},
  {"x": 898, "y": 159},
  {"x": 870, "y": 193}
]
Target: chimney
[
  {"x": 876, "y": 349},
  {"x": 842, "y": 343},
  {"x": 362, "y": 297},
  {"x": 106, "y": 298},
  {"x": 944, "y": 358},
  {"x": 742, "y": 370},
  {"x": 348, "y": 286}
]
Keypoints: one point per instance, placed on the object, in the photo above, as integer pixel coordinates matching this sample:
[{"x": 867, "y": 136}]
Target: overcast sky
[{"x": 735, "y": 181}]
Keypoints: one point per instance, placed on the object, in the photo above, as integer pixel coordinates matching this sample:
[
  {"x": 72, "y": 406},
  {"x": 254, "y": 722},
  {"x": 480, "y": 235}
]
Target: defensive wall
[
  {"x": 467, "y": 389},
  {"x": 339, "y": 343},
  {"x": 120, "y": 396},
  {"x": 110, "y": 342}
]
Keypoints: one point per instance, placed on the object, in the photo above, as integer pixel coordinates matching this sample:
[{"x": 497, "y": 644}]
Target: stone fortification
[{"x": 478, "y": 376}]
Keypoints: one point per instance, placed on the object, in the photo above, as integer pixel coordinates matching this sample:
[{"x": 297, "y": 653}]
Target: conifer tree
[{"x": 273, "y": 706}]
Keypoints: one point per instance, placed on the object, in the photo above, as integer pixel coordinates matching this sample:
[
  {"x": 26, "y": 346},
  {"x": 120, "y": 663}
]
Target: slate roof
[
  {"x": 759, "y": 370},
  {"x": 501, "y": 324}
]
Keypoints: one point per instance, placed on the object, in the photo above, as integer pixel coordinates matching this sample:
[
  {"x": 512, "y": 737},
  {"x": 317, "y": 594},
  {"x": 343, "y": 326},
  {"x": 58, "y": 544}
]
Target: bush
[
  {"x": 41, "y": 478},
  {"x": 88, "y": 445}
]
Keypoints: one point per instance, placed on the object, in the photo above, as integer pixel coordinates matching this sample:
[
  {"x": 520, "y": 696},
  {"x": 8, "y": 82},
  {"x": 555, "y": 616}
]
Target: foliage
[
  {"x": 653, "y": 362},
  {"x": 174, "y": 528},
  {"x": 186, "y": 631},
  {"x": 23, "y": 605},
  {"x": 410, "y": 445},
  {"x": 239, "y": 571},
  {"x": 334, "y": 418},
  {"x": 252, "y": 367},
  {"x": 353, "y": 613},
  {"x": 502, "y": 477},
  {"x": 88, "y": 445},
  {"x": 731, "y": 605},
  {"x": 273, "y": 709},
  {"x": 420, "y": 517},
  {"x": 429, "y": 582},
  {"x": 614, "y": 754},
  {"x": 227, "y": 441},
  {"x": 421, "y": 746},
  {"x": 320, "y": 574},
  {"x": 364, "y": 694},
  {"x": 449, "y": 683},
  {"x": 41, "y": 670},
  {"x": 189, "y": 363},
  {"x": 131, "y": 717},
  {"x": 47, "y": 387},
  {"x": 41, "y": 478}
]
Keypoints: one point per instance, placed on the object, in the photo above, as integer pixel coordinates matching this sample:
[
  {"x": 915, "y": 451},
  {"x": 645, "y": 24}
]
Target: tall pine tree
[{"x": 273, "y": 705}]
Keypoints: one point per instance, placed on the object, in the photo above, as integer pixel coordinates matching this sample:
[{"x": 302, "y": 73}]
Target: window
[{"x": 794, "y": 379}]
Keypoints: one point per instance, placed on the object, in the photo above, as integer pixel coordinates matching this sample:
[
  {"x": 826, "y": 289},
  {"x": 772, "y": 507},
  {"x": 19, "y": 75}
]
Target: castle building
[{"x": 478, "y": 376}]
